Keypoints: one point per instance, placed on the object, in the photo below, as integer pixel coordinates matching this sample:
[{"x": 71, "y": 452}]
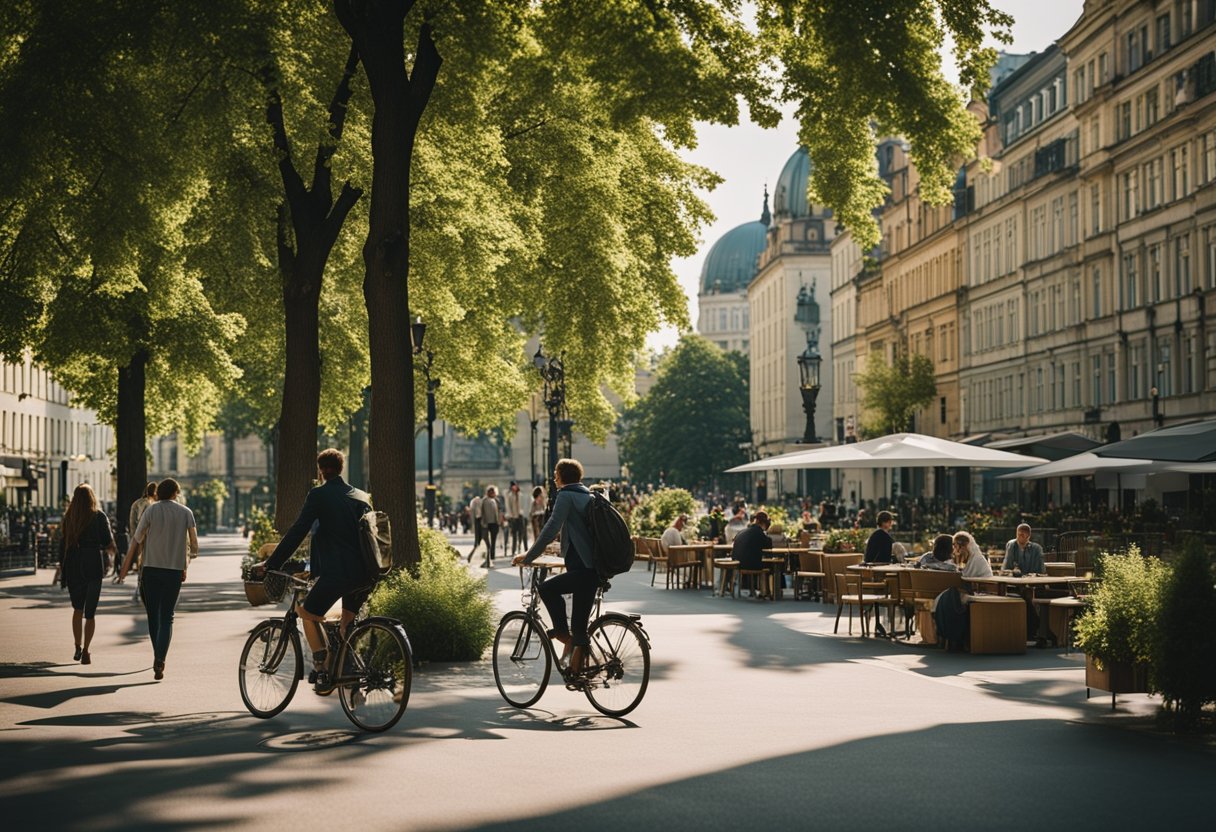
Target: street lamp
[
  {"x": 417, "y": 333},
  {"x": 808, "y": 370},
  {"x": 533, "y": 420},
  {"x": 1158, "y": 416},
  {"x": 553, "y": 373}
]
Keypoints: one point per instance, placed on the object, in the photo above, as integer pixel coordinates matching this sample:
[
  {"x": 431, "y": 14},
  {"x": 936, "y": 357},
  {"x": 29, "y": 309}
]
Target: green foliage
[
  {"x": 261, "y": 530},
  {"x": 1183, "y": 666},
  {"x": 778, "y": 514},
  {"x": 692, "y": 421},
  {"x": 655, "y": 512},
  {"x": 1119, "y": 624},
  {"x": 891, "y": 394},
  {"x": 213, "y": 489},
  {"x": 446, "y": 611},
  {"x": 846, "y": 540},
  {"x": 861, "y": 69}
]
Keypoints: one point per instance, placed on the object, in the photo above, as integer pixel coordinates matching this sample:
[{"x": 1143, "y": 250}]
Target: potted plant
[
  {"x": 1184, "y": 654},
  {"x": 1117, "y": 629}
]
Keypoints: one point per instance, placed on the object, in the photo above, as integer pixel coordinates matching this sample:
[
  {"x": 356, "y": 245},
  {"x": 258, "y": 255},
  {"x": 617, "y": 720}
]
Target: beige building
[
  {"x": 48, "y": 446},
  {"x": 796, "y": 261}
]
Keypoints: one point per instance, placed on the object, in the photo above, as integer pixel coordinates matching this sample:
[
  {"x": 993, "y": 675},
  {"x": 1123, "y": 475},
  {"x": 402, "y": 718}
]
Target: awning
[
  {"x": 1192, "y": 442},
  {"x": 899, "y": 450}
]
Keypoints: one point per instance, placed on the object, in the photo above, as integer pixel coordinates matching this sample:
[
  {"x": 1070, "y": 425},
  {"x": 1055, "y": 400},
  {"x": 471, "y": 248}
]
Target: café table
[{"x": 700, "y": 551}]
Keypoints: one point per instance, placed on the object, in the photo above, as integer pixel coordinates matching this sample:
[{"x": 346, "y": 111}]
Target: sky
[{"x": 747, "y": 157}]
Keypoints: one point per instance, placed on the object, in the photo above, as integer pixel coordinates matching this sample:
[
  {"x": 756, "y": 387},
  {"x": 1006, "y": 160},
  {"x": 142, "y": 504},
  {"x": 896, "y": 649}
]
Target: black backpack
[
  {"x": 611, "y": 543},
  {"x": 375, "y": 547}
]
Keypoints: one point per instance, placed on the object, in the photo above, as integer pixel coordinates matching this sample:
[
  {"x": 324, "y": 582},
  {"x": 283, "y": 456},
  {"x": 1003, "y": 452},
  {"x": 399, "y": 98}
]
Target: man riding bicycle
[
  {"x": 331, "y": 511},
  {"x": 580, "y": 580}
]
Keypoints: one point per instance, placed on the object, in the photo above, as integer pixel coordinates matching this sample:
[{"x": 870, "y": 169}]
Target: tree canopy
[
  {"x": 690, "y": 424},
  {"x": 892, "y": 393}
]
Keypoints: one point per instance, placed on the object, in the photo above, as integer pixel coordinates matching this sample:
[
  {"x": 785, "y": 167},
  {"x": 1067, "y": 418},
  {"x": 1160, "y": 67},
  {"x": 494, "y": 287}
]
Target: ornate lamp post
[
  {"x": 417, "y": 333},
  {"x": 553, "y": 373},
  {"x": 808, "y": 370},
  {"x": 533, "y": 420}
]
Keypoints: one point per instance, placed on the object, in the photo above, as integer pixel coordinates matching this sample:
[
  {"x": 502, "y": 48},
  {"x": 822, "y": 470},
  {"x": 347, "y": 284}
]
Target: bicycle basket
[{"x": 270, "y": 590}]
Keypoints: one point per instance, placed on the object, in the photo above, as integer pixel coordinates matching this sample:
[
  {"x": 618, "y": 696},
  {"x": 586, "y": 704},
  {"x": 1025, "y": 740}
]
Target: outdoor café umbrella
[
  {"x": 1083, "y": 464},
  {"x": 899, "y": 450},
  {"x": 1193, "y": 442}
]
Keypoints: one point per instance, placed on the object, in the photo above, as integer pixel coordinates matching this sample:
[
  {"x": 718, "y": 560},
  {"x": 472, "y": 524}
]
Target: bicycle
[
  {"x": 617, "y": 667},
  {"x": 375, "y": 660}
]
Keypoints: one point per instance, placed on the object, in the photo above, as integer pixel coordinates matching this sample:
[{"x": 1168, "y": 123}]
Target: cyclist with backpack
[
  {"x": 332, "y": 511},
  {"x": 580, "y": 580}
]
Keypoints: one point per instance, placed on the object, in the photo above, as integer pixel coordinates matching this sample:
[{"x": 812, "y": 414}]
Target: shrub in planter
[
  {"x": 1184, "y": 651},
  {"x": 657, "y": 511},
  {"x": 1118, "y": 627},
  {"x": 447, "y": 612}
]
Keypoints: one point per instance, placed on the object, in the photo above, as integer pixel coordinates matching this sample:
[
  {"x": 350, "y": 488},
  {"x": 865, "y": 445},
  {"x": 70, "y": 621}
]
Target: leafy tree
[
  {"x": 655, "y": 512},
  {"x": 691, "y": 422},
  {"x": 106, "y": 117},
  {"x": 892, "y": 393},
  {"x": 857, "y": 69}
]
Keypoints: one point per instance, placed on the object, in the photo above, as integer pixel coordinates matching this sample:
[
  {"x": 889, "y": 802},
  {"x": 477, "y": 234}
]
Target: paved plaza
[{"x": 757, "y": 717}]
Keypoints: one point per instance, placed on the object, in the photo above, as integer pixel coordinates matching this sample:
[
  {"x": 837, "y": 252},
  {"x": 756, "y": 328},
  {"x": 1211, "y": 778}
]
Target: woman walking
[
  {"x": 166, "y": 529},
  {"x": 489, "y": 523},
  {"x": 538, "y": 511},
  {"x": 85, "y": 542}
]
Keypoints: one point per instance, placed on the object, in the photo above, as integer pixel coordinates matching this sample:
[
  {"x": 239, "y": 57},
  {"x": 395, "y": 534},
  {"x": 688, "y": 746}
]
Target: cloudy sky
[{"x": 748, "y": 157}]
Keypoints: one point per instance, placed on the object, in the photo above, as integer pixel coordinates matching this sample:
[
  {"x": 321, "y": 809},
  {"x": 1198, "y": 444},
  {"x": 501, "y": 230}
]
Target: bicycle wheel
[
  {"x": 618, "y": 666},
  {"x": 378, "y": 653},
  {"x": 270, "y": 669},
  {"x": 521, "y": 659}
]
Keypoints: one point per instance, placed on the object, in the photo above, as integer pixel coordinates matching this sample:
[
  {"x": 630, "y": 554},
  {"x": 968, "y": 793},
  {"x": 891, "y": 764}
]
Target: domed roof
[
  {"x": 789, "y": 197},
  {"x": 732, "y": 261}
]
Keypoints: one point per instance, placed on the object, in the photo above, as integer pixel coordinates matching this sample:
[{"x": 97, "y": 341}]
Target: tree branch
[
  {"x": 322, "y": 174},
  {"x": 521, "y": 131},
  {"x": 337, "y": 216},
  {"x": 274, "y": 117},
  {"x": 427, "y": 61}
]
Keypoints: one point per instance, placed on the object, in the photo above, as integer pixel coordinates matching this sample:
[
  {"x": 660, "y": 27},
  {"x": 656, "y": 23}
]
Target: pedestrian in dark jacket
[{"x": 85, "y": 541}]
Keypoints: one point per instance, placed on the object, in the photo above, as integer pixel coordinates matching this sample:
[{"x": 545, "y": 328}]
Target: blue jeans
[{"x": 161, "y": 588}]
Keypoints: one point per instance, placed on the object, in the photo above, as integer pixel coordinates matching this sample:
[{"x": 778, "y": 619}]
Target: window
[
  {"x": 1182, "y": 265},
  {"x": 1179, "y": 174},
  {"x": 1038, "y": 389},
  {"x": 1074, "y": 301},
  {"x": 1125, "y": 121},
  {"x": 1133, "y": 55},
  {"x": 1102, "y": 68},
  {"x": 1096, "y": 293},
  {"x": 1095, "y": 362},
  {"x": 1073, "y": 233},
  {"x": 1095, "y": 134},
  {"x": 1209, "y": 257},
  {"x": 1128, "y": 285},
  {"x": 1131, "y": 199},
  {"x": 1207, "y": 157},
  {"x": 1057, "y": 397},
  {"x": 1182, "y": 13},
  {"x": 1154, "y": 185},
  {"x": 1135, "y": 371},
  {"x": 1151, "y": 108},
  {"x": 1110, "y": 377},
  {"x": 1165, "y": 371},
  {"x": 1154, "y": 287},
  {"x": 1162, "y": 41},
  {"x": 1188, "y": 363},
  {"x": 1095, "y": 210},
  {"x": 1057, "y": 225}
]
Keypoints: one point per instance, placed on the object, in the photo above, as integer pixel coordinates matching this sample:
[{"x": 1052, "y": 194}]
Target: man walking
[{"x": 475, "y": 513}]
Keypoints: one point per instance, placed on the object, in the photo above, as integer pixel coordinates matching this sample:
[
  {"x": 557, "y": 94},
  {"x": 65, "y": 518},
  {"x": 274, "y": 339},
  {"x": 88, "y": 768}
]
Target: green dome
[
  {"x": 789, "y": 197},
  {"x": 732, "y": 262}
]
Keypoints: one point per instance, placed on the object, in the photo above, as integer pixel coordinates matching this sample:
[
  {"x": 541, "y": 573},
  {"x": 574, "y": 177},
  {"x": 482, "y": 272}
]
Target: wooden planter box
[{"x": 1116, "y": 677}]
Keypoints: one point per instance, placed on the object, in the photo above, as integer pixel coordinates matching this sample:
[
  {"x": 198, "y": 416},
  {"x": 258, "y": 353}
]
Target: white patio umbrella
[
  {"x": 1083, "y": 464},
  {"x": 899, "y": 450}
]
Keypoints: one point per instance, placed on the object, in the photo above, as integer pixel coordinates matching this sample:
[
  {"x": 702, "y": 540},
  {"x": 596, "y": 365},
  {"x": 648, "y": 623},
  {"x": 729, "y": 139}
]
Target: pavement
[{"x": 757, "y": 716}]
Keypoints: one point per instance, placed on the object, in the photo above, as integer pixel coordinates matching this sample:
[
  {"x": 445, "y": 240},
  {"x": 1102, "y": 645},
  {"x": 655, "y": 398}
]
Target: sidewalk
[{"x": 756, "y": 716}]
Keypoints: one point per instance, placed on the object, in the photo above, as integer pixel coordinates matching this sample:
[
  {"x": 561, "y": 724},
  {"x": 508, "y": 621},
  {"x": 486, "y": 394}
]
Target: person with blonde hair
[
  {"x": 967, "y": 552},
  {"x": 84, "y": 542}
]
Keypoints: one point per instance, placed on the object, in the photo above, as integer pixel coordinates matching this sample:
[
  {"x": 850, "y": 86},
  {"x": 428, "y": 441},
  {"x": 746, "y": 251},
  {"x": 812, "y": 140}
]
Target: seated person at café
[
  {"x": 776, "y": 533},
  {"x": 751, "y": 543},
  {"x": 1024, "y": 555},
  {"x": 880, "y": 544},
  {"x": 672, "y": 534},
  {"x": 737, "y": 524},
  {"x": 967, "y": 552},
  {"x": 941, "y": 557}
]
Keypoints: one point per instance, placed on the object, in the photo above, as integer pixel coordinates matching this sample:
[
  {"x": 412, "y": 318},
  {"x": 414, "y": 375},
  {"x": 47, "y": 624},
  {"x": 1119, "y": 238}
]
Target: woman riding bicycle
[
  {"x": 580, "y": 579},
  {"x": 335, "y": 560}
]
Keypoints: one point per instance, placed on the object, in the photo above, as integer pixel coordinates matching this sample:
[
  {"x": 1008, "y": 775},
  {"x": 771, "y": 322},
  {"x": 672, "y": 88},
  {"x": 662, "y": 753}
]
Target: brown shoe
[
  {"x": 85, "y": 658},
  {"x": 158, "y": 670}
]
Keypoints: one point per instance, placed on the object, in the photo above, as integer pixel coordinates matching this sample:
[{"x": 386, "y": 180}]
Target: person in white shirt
[
  {"x": 490, "y": 520},
  {"x": 672, "y": 535},
  {"x": 737, "y": 524}
]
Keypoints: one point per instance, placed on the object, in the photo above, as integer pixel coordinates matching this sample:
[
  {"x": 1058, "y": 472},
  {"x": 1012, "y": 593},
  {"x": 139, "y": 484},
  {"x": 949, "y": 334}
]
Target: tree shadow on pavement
[
  {"x": 946, "y": 777},
  {"x": 55, "y": 698}
]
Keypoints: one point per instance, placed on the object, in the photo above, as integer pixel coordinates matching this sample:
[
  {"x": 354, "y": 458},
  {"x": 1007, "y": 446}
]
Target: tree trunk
[
  {"x": 297, "y": 463},
  {"x": 399, "y": 101},
  {"x": 130, "y": 436},
  {"x": 309, "y": 221}
]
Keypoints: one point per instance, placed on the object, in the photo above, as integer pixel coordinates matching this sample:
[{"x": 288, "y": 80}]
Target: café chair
[
  {"x": 657, "y": 559},
  {"x": 729, "y": 569},
  {"x": 808, "y": 579},
  {"x": 850, "y": 593},
  {"x": 758, "y": 576},
  {"x": 641, "y": 551}
]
